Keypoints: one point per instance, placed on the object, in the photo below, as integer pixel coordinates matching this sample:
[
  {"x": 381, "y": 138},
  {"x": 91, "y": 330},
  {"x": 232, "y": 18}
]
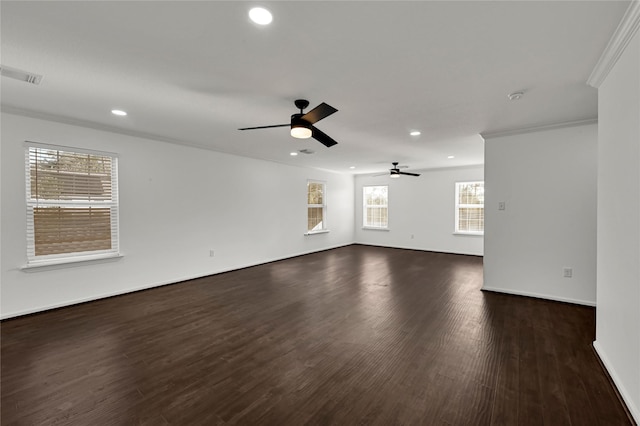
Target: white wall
[
  {"x": 618, "y": 310},
  {"x": 176, "y": 204},
  {"x": 548, "y": 181},
  {"x": 423, "y": 207}
]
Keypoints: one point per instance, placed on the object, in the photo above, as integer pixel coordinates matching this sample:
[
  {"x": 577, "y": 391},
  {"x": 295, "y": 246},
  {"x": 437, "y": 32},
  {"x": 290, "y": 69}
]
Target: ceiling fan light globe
[{"x": 301, "y": 132}]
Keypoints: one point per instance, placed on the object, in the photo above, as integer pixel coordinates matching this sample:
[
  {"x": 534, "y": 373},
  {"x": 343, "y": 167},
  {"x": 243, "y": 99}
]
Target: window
[
  {"x": 375, "y": 213},
  {"x": 470, "y": 208},
  {"x": 72, "y": 204},
  {"x": 316, "y": 207}
]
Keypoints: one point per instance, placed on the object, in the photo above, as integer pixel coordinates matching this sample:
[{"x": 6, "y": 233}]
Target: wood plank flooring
[{"x": 355, "y": 335}]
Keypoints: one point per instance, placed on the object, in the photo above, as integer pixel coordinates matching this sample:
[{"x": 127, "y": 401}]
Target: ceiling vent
[
  {"x": 20, "y": 75},
  {"x": 307, "y": 151}
]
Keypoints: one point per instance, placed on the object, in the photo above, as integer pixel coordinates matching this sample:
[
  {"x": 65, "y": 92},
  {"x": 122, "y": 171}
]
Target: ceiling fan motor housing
[{"x": 298, "y": 121}]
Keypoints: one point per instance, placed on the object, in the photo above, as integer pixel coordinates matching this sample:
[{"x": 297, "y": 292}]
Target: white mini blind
[
  {"x": 470, "y": 207},
  {"x": 376, "y": 208},
  {"x": 72, "y": 203}
]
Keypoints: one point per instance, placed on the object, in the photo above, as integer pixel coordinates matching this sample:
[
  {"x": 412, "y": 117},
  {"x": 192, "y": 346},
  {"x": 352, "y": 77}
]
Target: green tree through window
[{"x": 316, "y": 206}]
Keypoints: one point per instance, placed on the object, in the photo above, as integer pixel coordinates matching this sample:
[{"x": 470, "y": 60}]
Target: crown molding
[
  {"x": 9, "y": 109},
  {"x": 540, "y": 128},
  {"x": 621, "y": 37}
]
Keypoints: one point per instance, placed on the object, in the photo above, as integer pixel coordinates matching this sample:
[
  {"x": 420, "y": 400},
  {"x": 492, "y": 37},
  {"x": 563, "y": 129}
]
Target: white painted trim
[
  {"x": 432, "y": 169},
  {"x": 159, "y": 284},
  {"x": 43, "y": 145},
  {"x": 373, "y": 228},
  {"x": 540, "y": 296},
  {"x": 617, "y": 44},
  {"x": 635, "y": 411},
  {"x": 8, "y": 109},
  {"x": 419, "y": 249},
  {"x": 538, "y": 128},
  {"x": 66, "y": 262},
  {"x": 322, "y": 231},
  {"x": 463, "y": 167}
]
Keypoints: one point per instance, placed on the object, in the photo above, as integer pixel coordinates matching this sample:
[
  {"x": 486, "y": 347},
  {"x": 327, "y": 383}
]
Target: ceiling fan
[
  {"x": 395, "y": 172},
  {"x": 302, "y": 125}
]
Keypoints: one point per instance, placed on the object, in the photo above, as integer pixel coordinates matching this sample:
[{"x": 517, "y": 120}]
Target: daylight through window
[
  {"x": 375, "y": 212},
  {"x": 72, "y": 203},
  {"x": 470, "y": 207},
  {"x": 316, "y": 206}
]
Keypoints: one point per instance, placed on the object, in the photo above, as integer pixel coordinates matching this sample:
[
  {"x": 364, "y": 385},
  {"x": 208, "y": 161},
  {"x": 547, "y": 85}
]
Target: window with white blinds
[
  {"x": 316, "y": 207},
  {"x": 470, "y": 208},
  {"x": 375, "y": 212},
  {"x": 72, "y": 204}
]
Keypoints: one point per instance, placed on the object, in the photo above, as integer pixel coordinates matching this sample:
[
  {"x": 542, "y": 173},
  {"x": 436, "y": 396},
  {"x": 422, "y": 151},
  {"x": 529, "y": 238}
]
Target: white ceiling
[{"x": 193, "y": 72}]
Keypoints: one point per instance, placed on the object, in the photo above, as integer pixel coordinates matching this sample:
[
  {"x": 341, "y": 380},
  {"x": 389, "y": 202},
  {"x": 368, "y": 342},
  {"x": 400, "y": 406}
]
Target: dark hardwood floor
[{"x": 356, "y": 335}]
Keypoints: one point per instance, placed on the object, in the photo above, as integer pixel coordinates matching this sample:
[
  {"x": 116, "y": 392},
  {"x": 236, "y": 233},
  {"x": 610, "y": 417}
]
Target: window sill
[
  {"x": 470, "y": 234},
  {"x": 371, "y": 228},
  {"x": 324, "y": 231},
  {"x": 68, "y": 262}
]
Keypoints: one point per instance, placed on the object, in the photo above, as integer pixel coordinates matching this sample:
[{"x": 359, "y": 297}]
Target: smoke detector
[
  {"x": 515, "y": 96},
  {"x": 20, "y": 75}
]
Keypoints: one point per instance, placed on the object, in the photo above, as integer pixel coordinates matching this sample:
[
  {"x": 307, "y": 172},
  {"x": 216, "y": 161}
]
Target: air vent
[
  {"x": 307, "y": 151},
  {"x": 20, "y": 75}
]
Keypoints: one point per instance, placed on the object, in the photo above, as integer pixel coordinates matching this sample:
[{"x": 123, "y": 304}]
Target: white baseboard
[
  {"x": 4, "y": 316},
  {"x": 419, "y": 249},
  {"x": 631, "y": 405},
  {"x": 541, "y": 296}
]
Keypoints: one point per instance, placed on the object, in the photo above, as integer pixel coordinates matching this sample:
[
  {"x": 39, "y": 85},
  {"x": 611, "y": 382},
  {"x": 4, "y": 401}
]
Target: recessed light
[
  {"x": 451, "y": 156},
  {"x": 352, "y": 167},
  {"x": 415, "y": 133},
  {"x": 260, "y": 16},
  {"x": 293, "y": 154},
  {"x": 118, "y": 112}
]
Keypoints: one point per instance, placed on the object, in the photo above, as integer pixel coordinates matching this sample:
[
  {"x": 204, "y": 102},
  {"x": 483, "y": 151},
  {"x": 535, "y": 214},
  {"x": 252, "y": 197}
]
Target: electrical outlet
[
  {"x": 502, "y": 205},
  {"x": 211, "y": 253},
  {"x": 567, "y": 272}
]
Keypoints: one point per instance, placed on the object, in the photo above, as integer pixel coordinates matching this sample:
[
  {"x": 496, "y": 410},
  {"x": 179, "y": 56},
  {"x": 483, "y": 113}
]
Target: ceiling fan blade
[
  {"x": 265, "y": 127},
  {"x": 318, "y": 113},
  {"x": 322, "y": 137},
  {"x": 409, "y": 174}
]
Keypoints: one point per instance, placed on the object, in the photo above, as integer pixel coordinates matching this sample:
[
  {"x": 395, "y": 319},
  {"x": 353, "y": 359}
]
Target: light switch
[{"x": 501, "y": 205}]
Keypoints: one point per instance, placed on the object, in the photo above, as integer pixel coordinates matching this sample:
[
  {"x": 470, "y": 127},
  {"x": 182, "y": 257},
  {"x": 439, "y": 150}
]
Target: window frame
[
  {"x": 459, "y": 206},
  {"x": 35, "y": 261},
  {"x": 324, "y": 228},
  {"x": 365, "y": 225}
]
